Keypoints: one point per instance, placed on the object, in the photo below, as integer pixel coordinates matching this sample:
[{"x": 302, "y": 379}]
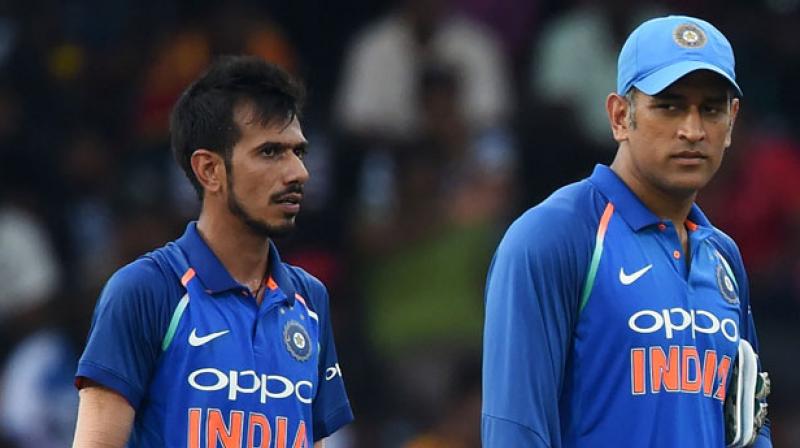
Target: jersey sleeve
[
  {"x": 127, "y": 326},
  {"x": 747, "y": 323},
  {"x": 331, "y": 407},
  {"x": 532, "y": 296}
]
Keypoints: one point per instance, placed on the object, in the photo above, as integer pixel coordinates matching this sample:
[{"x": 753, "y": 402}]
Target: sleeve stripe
[
  {"x": 173, "y": 323},
  {"x": 598, "y": 252}
]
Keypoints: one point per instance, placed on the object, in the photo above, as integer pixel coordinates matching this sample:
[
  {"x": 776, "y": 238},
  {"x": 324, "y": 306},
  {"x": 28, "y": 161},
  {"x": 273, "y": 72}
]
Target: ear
[
  {"x": 617, "y": 108},
  {"x": 734, "y": 113},
  {"x": 209, "y": 168}
]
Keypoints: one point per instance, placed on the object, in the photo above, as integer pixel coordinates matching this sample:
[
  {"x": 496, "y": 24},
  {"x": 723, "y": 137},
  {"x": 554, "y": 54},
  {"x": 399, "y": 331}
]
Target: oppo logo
[
  {"x": 210, "y": 379},
  {"x": 678, "y": 319}
]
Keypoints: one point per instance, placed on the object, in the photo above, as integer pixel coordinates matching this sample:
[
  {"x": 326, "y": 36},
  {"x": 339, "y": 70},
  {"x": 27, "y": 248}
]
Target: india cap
[{"x": 662, "y": 50}]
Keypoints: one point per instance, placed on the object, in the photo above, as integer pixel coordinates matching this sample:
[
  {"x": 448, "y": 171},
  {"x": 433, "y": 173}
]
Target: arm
[
  {"x": 120, "y": 353},
  {"x": 105, "y": 419},
  {"x": 532, "y": 297},
  {"x": 331, "y": 408},
  {"x": 746, "y": 323}
]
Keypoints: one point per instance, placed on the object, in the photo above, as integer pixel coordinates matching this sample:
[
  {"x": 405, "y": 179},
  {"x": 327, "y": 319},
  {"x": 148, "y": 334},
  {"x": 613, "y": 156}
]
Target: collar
[
  {"x": 216, "y": 278},
  {"x": 630, "y": 207}
]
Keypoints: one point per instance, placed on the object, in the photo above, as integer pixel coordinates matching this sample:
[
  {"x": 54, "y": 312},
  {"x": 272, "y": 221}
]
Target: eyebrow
[{"x": 282, "y": 146}]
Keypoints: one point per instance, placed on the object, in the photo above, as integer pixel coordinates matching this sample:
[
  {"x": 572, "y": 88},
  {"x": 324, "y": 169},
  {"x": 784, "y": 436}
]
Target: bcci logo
[
  {"x": 689, "y": 35},
  {"x": 297, "y": 340},
  {"x": 726, "y": 286}
]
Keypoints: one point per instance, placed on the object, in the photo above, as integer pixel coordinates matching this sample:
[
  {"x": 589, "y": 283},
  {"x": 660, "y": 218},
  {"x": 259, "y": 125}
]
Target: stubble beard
[{"x": 255, "y": 225}]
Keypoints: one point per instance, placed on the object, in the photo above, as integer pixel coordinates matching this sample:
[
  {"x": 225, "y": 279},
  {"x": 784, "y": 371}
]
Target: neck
[
  {"x": 666, "y": 205},
  {"x": 243, "y": 252}
]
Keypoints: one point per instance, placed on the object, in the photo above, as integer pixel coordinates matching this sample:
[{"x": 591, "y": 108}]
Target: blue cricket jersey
[
  {"x": 204, "y": 365},
  {"x": 598, "y": 334}
]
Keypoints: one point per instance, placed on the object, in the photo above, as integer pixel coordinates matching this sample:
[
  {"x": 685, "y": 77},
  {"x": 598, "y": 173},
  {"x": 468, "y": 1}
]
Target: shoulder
[
  {"x": 143, "y": 283},
  {"x": 308, "y": 286},
  {"x": 569, "y": 216},
  {"x": 727, "y": 246},
  {"x": 140, "y": 277}
]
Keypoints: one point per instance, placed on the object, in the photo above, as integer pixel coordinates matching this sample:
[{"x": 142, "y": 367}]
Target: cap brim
[{"x": 663, "y": 78}]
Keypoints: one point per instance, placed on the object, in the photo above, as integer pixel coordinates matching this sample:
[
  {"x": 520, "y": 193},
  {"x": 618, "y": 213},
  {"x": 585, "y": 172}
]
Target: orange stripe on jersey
[
  {"x": 301, "y": 299},
  {"x": 271, "y": 283},
  {"x": 690, "y": 225},
  {"x": 187, "y": 276}
]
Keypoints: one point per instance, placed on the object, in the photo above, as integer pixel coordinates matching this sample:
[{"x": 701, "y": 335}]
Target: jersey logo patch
[
  {"x": 726, "y": 286},
  {"x": 297, "y": 341},
  {"x": 627, "y": 279},
  {"x": 197, "y": 341}
]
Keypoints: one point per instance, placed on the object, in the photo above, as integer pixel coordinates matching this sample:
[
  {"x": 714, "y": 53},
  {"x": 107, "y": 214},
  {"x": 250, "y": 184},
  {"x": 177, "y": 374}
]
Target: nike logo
[
  {"x": 197, "y": 341},
  {"x": 626, "y": 279}
]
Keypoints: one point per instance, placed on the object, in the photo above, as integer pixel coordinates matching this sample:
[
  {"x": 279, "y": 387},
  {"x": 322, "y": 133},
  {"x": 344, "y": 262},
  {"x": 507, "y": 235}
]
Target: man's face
[
  {"x": 266, "y": 174},
  {"x": 681, "y": 133}
]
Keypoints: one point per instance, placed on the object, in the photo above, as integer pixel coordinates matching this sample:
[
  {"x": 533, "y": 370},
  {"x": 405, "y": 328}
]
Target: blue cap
[{"x": 663, "y": 50}]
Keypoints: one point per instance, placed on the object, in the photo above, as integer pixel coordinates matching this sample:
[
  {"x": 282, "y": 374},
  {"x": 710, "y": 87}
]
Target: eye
[
  {"x": 300, "y": 152},
  {"x": 270, "y": 151},
  {"x": 666, "y": 106}
]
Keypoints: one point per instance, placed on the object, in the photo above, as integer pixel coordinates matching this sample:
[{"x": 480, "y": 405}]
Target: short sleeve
[
  {"x": 331, "y": 407},
  {"x": 129, "y": 321}
]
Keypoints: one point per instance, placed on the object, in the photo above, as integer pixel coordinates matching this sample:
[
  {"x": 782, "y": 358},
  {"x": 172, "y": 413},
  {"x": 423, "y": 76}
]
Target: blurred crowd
[{"x": 432, "y": 124}]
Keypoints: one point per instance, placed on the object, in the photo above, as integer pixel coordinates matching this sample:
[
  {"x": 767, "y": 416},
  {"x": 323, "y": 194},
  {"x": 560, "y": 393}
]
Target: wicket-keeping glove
[{"x": 745, "y": 404}]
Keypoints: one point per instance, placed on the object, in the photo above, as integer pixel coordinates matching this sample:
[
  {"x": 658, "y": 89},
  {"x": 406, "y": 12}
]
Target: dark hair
[{"x": 203, "y": 116}]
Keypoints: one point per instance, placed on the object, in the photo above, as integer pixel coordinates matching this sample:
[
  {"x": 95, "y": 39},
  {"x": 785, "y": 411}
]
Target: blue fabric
[
  {"x": 646, "y": 362},
  {"x": 657, "y": 53},
  {"x": 273, "y": 373}
]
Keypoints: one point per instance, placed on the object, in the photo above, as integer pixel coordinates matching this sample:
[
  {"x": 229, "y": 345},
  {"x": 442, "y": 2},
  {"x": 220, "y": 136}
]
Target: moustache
[{"x": 293, "y": 189}]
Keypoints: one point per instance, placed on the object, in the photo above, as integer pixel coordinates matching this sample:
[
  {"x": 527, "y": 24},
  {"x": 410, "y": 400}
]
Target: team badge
[
  {"x": 726, "y": 286},
  {"x": 297, "y": 341},
  {"x": 689, "y": 35}
]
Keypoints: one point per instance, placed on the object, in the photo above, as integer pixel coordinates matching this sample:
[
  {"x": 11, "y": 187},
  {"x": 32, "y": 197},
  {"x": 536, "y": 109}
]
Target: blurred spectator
[
  {"x": 178, "y": 59},
  {"x": 512, "y": 21},
  {"x": 88, "y": 171},
  {"x": 423, "y": 266},
  {"x": 575, "y": 60},
  {"x": 29, "y": 269},
  {"x": 38, "y": 404},
  {"x": 459, "y": 425},
  {"x": 379, "y": 86}
]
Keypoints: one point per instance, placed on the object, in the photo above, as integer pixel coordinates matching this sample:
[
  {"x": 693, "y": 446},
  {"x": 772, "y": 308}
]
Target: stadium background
[{"x": 432, "y": 124}]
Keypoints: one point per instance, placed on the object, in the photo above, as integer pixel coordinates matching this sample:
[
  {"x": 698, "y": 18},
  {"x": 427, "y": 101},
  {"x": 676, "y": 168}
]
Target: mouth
[
  {"x": 289, "y": 202},
  {"x": 689, "y": 157}
]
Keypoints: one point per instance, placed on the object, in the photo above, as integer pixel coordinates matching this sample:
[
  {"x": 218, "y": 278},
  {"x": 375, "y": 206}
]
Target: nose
[
  {"x": 296, "y": 171},
  {"x": 691, "y": 128}
]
